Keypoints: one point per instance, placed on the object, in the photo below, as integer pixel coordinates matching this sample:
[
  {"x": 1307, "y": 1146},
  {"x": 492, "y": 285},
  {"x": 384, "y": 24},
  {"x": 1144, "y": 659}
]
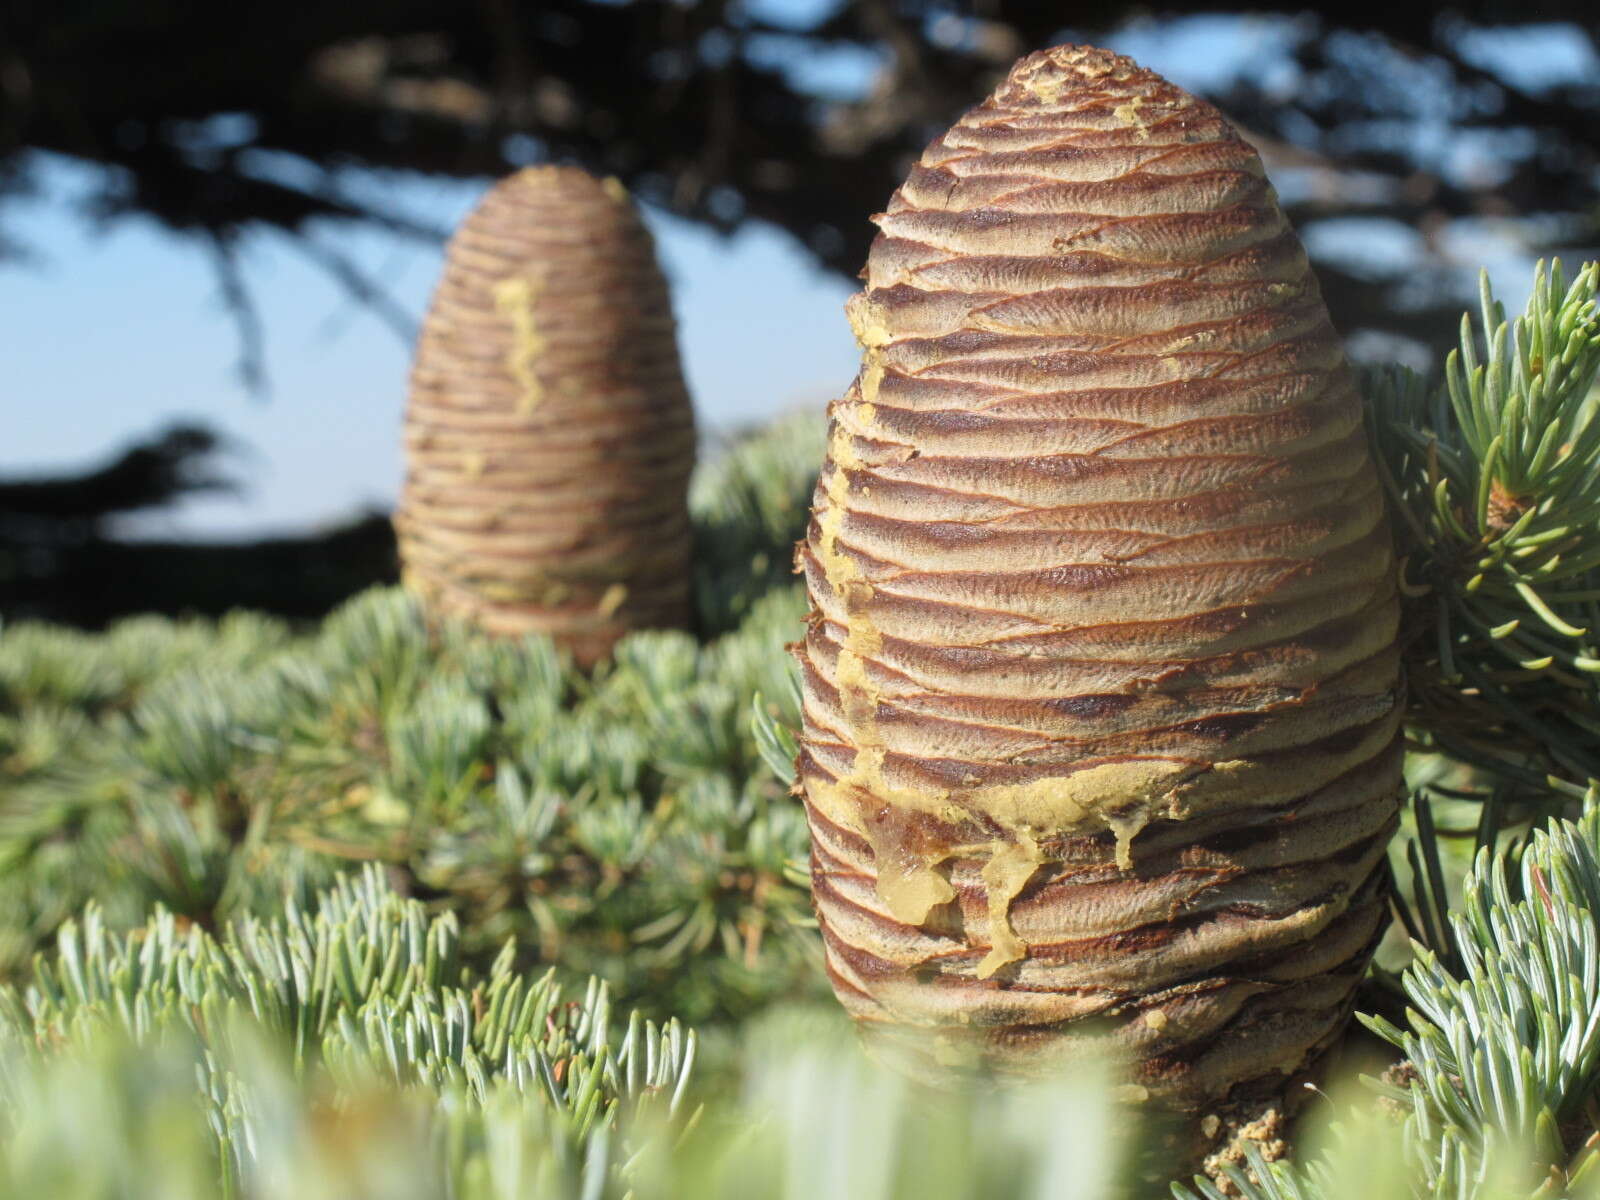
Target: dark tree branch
[
  {"x": 150, "y": 474},
  {"x": 361, "y": 287},
  {"x": 241, "y": 306}
]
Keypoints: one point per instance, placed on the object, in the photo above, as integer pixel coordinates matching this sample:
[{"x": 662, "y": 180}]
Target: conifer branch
[{"x": 1496, "y": 499}]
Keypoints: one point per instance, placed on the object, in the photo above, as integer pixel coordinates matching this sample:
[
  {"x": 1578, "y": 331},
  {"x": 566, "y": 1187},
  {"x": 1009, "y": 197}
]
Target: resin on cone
[
  {"x": 549, "y": 436},
  {"x": 1101, "y": 687}
]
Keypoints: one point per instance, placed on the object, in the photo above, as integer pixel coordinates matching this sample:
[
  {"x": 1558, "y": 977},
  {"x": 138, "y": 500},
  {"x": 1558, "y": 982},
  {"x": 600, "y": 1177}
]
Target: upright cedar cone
[
  {"x": 549, "y": 436},
  {"x": 1101, "y": 689}
]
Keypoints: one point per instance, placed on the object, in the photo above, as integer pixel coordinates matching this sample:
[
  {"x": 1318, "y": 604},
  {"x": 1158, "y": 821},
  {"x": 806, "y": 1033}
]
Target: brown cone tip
[
  {"x": 549, "y": 436},
  {"x": 1101, "y": 690}
]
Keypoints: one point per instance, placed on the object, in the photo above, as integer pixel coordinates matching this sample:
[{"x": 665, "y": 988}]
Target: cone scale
[
  {"x": 549, "y": 435},
  {"x": 1101, "y": 693}
]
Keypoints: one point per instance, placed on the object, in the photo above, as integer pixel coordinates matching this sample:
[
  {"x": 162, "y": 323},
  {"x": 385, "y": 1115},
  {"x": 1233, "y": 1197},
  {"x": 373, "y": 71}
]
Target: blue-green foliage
[
  {"x": 621, "y": 823},
  {"x": 1491, "y": 474},
  {"x": 362, "y": 989}
]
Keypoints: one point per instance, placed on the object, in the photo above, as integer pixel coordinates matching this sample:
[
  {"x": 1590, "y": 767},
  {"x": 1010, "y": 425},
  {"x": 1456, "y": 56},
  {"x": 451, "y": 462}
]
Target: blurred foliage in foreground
[
  {"x": 325, "y": 1074},
  {"x": 182, "y": 806},
  {"x": 342, "y": 1050}
]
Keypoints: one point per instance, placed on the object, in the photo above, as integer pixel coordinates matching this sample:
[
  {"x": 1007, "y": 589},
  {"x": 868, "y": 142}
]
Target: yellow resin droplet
[
  {"x": 1129, "y": 112},
  {"x": 910, "y": 890},
  {"x": 614, "y": 597},
  {"x": 1125, "y": 826},
  {"x": 866, "y": 322},
  {"x": 514, "y": 298},
  {"x": 871, "y": 379},
  {"x": 1009, "y": 868},
  {"x": 1083, "y": 798}
]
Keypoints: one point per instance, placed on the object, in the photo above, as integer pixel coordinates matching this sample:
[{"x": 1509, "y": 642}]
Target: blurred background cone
[{"x": 549, "y": 436}]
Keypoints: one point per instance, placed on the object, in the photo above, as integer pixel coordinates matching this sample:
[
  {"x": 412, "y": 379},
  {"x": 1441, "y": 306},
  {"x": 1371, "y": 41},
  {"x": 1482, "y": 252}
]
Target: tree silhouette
[
  {"x": 60, "y": 558},
  {"x": 219, "y": 119}
]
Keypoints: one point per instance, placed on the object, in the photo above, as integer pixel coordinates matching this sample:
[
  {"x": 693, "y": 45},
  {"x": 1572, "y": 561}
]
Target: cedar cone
[
  {"x": 549, "y": 435},
  {"x": 1100, "y": 684}
]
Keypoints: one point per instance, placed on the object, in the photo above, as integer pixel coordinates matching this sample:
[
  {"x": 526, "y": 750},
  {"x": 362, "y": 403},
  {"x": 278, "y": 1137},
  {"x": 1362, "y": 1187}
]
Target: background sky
[
  {"x": 112, "y": 336},
  {"x": 109, "y": 336}
]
